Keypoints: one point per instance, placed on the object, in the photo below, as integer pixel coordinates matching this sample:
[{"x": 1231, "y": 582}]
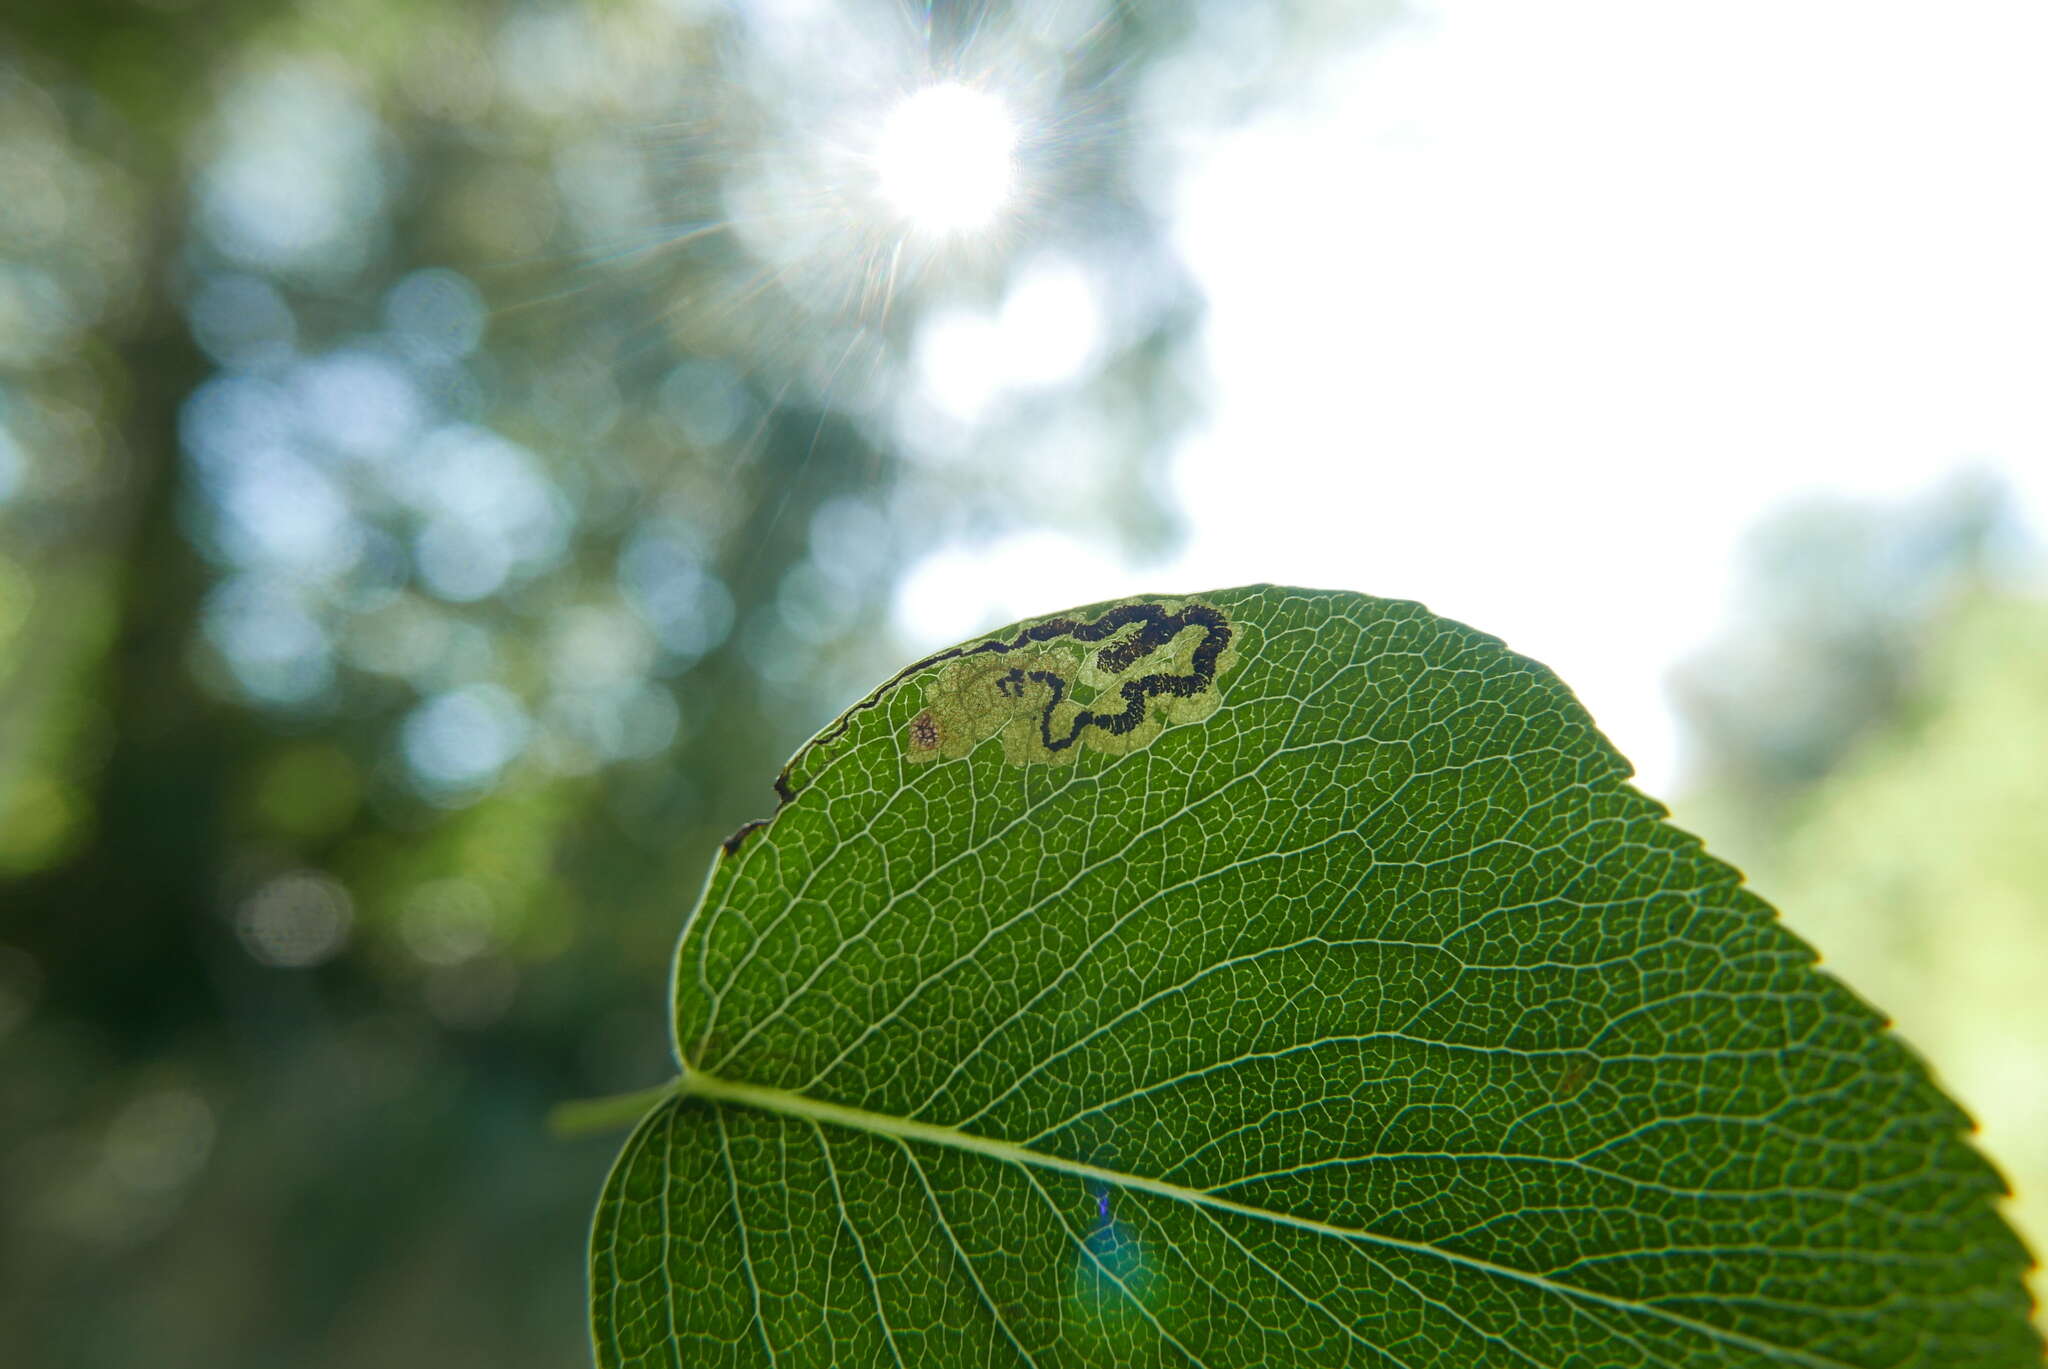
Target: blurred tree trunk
[{"x": 119, "y": 927}]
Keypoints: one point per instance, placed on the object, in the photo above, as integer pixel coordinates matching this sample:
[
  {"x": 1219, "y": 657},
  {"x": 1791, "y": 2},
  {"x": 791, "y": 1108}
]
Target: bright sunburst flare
[{"x": 946, "y": 158}]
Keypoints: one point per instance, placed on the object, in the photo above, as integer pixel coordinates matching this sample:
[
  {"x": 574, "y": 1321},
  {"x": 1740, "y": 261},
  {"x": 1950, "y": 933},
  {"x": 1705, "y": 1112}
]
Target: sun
[{"x": 946, "y": 158}]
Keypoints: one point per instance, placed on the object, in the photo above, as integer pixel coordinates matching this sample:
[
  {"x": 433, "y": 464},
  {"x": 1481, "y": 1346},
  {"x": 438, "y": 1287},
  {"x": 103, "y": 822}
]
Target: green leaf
[{"x": 1272, "y": 978}]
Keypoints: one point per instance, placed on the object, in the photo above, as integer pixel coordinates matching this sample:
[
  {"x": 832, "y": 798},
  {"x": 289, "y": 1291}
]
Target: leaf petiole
[{"x": 592, "y": 1116}]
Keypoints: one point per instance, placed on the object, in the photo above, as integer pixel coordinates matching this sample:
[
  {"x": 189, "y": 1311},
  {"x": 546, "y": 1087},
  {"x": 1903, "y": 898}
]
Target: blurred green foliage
[{"x": 448, "y": 457}]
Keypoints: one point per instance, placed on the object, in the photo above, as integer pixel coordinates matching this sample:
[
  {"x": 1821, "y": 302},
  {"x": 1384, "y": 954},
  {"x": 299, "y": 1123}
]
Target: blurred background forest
[{"x": 451, "y": 454}]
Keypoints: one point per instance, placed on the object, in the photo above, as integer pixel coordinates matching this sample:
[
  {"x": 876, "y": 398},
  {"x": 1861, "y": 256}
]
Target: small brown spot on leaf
[{"x": 1577, "y": 1073}]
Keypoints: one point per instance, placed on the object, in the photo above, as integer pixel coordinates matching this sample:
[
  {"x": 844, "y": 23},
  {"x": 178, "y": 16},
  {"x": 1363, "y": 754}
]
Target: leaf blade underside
[{"x": 1354, "y": 1011}]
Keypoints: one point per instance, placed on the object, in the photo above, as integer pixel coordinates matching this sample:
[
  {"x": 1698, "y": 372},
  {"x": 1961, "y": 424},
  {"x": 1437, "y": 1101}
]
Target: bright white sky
[{"x": 1530, "y": 311}]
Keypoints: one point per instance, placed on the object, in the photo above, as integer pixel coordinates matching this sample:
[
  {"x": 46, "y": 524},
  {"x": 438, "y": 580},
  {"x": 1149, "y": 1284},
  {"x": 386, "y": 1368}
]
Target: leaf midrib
[{"x": 782, "y": 1102}]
